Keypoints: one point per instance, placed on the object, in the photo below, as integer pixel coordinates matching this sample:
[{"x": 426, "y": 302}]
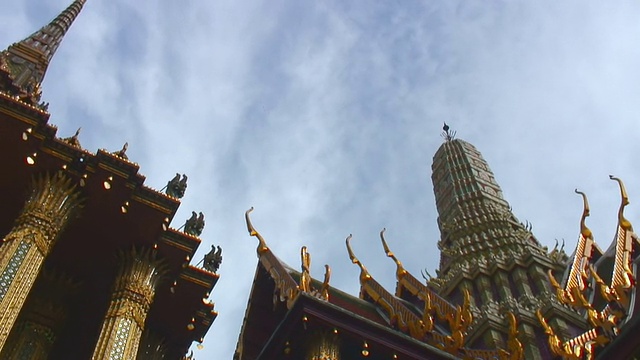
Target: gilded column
[
  {"x": 50, "y": 204},
  {"x": 324, "y": 346},
  {"x": 42, "y": 317},
  {"x": 131, "y": 299}
]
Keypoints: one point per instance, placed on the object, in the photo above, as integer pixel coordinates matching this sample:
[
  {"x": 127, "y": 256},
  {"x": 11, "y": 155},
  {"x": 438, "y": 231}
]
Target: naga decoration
[
  {"x": 573, "y": 293},
  {"x": 364, "y": 273},
  {"x": 286, "y": 290},
  {"x": 195, "y": 224},
  {"x": 176, "y": 187},
  {"x": 514, "y": 346},
  {"x": 212, "y": 259},
  {"x": 458, "y": 318},
  {"x": 622, "y": 278},
  {"x": 605, "y": 322},
  {"x": 400, "y": 271},
  {"x": 324, "y": 290},
  {"x": 401, "y": 317},
  {"x": 305, "y": 276}
]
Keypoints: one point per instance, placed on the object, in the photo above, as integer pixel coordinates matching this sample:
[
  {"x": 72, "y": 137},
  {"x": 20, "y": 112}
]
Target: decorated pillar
[
  {"x": 42, "y": 318},
  {"x": 50, "y": 204},
  {"x": 324, "y": 346},
  {"x": 131, "y": 299}
]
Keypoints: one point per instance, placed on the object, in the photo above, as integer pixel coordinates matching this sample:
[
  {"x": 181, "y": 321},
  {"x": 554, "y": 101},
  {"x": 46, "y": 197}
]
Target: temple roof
[{"x": 430, "y": 326}]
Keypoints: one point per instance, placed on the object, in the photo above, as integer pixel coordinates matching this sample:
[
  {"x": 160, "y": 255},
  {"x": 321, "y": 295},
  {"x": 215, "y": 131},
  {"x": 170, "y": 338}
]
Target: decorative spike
[
  {"x": 554, "y": 341},
  {"x": 262, "y": 245},
  {"x": 624, "y": 223},
  {"x": 400, "y": 271},
  {"x": 447, "y": 134},
  {"x": 584, "y": 230},
  {"x": 364, "y": 274}
]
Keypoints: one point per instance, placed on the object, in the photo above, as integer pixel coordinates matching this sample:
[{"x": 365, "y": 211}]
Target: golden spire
[
  {"x": 26, "y": 61},
  {"x": 262, "y": 245}
]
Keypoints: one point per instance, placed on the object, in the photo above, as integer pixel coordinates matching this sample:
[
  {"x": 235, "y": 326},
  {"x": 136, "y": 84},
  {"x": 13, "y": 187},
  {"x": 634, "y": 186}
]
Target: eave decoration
[
  {"x": 579, "y": 291},
  {"x": 287, "y": 290}
]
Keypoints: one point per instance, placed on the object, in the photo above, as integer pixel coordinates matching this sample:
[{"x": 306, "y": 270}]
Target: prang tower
[{"x": 488, "y": 253}]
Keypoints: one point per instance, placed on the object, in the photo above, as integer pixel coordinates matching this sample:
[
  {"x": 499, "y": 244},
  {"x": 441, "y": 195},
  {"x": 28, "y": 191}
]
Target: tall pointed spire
[
  {"x": 475, "y": 220},
  {"x": 487, "y": 252},
  {"x": 23, "y": 65}
]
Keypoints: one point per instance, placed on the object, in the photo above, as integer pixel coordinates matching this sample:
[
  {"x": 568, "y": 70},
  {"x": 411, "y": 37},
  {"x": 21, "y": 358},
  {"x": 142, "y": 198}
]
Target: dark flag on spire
[{"x": 447, "y": 134}]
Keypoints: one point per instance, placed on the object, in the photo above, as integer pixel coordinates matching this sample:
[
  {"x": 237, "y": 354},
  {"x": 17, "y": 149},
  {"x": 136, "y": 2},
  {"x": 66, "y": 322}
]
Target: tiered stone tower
[{"x": 486, "y": 251}]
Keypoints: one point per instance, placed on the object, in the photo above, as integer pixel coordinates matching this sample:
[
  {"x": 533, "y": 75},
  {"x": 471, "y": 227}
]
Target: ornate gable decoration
[{"x": 607, "y": 306}]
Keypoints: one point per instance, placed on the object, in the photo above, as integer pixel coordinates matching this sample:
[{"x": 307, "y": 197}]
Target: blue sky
[{"x": 325, "y": 116}]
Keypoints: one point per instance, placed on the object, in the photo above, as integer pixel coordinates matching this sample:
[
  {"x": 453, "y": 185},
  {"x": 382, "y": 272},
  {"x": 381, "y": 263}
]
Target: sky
[{"x": 325, "y": 115}]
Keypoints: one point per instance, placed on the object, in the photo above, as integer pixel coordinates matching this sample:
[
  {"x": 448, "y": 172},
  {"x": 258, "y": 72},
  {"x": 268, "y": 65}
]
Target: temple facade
[
  {"x": 90, "y": 266},
  {"x": 497, "y": 293}
]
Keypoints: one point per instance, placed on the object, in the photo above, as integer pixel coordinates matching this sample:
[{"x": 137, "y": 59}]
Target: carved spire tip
[{"x": 447, "y": 133}]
